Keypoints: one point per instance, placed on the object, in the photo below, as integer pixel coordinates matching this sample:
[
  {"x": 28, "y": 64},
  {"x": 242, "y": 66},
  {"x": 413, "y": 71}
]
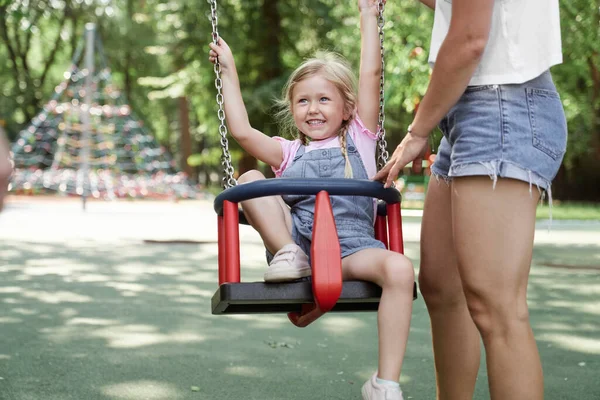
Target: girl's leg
[
  {"x": 270, "y": 216},
  {"x": 456, "y": 343},
  {"x": 394, "y": 273},
  {"x": 493, "y": 233}
]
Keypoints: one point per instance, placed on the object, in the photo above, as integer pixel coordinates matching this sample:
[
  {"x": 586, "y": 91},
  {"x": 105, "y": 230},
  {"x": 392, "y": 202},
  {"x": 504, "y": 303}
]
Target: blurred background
[
  {"x": 113, "y": 303},
  {"x": 154, "y": 115}
]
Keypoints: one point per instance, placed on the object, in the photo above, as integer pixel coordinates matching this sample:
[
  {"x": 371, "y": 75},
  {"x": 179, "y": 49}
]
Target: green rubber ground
[{"x": 120, "y": 319}]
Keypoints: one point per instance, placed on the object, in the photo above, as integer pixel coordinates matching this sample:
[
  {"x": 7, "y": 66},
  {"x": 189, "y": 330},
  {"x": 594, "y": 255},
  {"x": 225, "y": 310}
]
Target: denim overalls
[{"x": 353, "y": 214}]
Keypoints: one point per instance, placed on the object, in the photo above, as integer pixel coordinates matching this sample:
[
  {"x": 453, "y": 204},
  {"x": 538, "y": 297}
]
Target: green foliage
[
  {"x": 158, "y": 52},
  {"x": 578, "y": 78},
  {"x": 569, "y": 211}
]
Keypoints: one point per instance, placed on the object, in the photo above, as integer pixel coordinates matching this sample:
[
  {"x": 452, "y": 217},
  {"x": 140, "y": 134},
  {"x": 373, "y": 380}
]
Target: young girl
[{"x": 335, "y": 139}]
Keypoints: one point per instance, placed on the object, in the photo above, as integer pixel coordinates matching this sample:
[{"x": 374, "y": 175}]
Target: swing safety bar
[{"x": 304, "y": 301}]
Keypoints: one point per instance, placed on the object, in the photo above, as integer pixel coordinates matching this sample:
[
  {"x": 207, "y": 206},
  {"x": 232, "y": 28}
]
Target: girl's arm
[
  {"x": 370, "y": 64},
  {"x": 259, "y": 145},
  {"x": 429, "y": 3}
]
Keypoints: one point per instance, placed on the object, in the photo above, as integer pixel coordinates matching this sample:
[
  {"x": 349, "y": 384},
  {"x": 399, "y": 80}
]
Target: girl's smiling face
[{"x": 318, "y": 108}]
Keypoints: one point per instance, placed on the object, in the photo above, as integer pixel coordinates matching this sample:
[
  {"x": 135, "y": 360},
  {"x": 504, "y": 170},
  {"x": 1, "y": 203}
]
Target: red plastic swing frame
[{"x": 325, "y": 253}]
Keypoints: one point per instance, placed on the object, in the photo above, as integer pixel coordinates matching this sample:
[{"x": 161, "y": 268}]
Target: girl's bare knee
[
  {"x": 397, "y": 271},
  {"x": 251, "y": 176}
]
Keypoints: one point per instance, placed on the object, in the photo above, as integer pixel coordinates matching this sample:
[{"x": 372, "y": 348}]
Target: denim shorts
[{"x": 516, "y": 131}]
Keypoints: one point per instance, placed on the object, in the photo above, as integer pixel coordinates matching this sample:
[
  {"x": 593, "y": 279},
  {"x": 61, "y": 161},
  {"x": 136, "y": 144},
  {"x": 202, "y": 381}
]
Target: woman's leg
[
  {"x": 394, "y": 273},
  {"x": 270, "y": 216},
  {"x": 456, "y": 343},
  {"x": 493, "y": 234}
]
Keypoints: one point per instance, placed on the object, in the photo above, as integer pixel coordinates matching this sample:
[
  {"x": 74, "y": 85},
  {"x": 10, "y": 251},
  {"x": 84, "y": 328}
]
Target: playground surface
[{"x": 113, "y": 303}]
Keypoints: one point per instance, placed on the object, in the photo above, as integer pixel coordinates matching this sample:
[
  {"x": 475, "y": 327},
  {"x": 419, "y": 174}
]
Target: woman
[{"x": 504, "y": 139}]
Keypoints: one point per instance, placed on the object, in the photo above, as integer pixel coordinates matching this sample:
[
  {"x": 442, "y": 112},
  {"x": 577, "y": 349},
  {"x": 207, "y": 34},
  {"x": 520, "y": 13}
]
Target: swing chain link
[
  {"x": 228, "y": 179},
  {"x": 382, "y": 153}
]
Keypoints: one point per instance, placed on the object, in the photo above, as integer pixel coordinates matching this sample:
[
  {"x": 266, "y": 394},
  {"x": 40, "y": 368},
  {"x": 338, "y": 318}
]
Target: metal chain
[
  {"x": 381, "y": 142},
  {"x": 228, "y": 180}
]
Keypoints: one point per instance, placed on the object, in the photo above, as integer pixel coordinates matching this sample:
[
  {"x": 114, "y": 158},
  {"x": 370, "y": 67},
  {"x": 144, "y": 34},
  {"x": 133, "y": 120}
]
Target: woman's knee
[
  {"x": 496, "y": 314},
  {"x": 397, "y": 271},
  {"x": 251, "y": 176},
  {"x": 440, "y": 289}
]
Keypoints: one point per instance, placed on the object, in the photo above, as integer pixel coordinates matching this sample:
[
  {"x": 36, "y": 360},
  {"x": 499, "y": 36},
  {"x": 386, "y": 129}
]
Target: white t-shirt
[{"x": 524, "y": 40}]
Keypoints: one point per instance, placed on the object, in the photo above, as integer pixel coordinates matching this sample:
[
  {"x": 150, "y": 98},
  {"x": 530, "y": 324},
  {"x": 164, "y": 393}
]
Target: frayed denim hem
[
  {"x": 500, "y": 169},
  {"x": 439, "y": 175}
]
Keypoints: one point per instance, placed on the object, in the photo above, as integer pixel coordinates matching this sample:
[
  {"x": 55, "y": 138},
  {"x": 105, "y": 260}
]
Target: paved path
[{"x": 92, "y": 311}]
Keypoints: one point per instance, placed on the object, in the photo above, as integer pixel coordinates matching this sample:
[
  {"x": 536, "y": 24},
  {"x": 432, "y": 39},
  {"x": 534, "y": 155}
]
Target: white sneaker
[
  {"x": 288, "y": 264},
  {"x": 372, "y": 390}
]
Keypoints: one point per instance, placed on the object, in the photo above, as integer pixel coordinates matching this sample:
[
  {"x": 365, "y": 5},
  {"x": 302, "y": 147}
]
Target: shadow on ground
[{"x": 132, "y": 321}]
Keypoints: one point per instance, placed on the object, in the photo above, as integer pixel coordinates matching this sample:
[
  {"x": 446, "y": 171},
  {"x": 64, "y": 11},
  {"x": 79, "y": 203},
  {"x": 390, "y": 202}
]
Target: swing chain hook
[
  {"x": 381, "y": 142},
  {"x": 228, "y": 179}
]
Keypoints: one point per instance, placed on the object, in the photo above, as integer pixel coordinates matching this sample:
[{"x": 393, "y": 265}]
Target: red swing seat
[{"x": 304, "y": 300}]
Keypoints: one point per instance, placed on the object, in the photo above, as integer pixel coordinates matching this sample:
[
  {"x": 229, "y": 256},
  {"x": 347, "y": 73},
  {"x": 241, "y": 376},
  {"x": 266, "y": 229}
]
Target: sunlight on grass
[
  {"x": 127, "y": 286},
  {"x": 241, "y": 370},
  {"x": 588, "y": 308},
  {"x": 10, "y": 320},
  {"x": 24, "y": 311},
  {"x": 91, "y": 321},
  {"x": 567, "y": 327},
  {"x": 55, "y": 266},
  {"x": 142, "y": 390},
  {"x": 572, "y": 342},
  {"x": 55, "y": 297},
  {"x": 10, "y": 289},
  {"x": 334, "y": 324},
  {"x": 89, "y": 278},
  {"x": 133, "y": 336},
  {"x": 260, "y": 321}
]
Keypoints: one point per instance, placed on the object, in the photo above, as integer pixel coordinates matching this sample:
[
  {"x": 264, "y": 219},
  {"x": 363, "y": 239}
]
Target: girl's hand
[
  {"x": 412, "y": 148},
  {"x": 223, "y": 52},
  {"x": 370, "y": 6}
]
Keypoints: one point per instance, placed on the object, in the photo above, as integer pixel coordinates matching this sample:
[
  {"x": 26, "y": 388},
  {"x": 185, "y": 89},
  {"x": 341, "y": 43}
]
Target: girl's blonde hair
[{"x": 336, "y": 70}]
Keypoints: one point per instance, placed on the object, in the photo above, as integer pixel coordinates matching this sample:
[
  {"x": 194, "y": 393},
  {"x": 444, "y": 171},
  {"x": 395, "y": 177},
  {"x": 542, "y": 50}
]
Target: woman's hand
[
  {"x": 223, "y": 52},
  {"x": 412, "y": 148},
  {"x": 370, "y": 6}
]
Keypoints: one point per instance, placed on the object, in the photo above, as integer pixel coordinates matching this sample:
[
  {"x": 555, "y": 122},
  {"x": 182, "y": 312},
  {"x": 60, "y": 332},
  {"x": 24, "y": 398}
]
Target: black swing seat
[{"x": 263, "y": 298}]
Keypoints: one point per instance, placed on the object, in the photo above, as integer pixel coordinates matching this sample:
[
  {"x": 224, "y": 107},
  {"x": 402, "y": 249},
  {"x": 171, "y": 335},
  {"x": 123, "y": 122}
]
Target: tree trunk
[
  {"x": 595, "y": 74},
  {"x": 268, "y": 31},
  {"x": 128, "y": 56},
  {"x": 186, "y": 139}
]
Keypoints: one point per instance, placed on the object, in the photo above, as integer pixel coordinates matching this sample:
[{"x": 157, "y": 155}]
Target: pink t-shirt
[{"x": 364, "y": 140}]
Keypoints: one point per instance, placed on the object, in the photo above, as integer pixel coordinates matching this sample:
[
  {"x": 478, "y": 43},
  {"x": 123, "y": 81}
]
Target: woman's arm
[
  {"x": 259, "y": 145},
  {"x": 370, "y": 64},
  {"x": 455, "y": 64},
  {"x": 457, "y": 59},
  {"x": 429, "y": 3}
]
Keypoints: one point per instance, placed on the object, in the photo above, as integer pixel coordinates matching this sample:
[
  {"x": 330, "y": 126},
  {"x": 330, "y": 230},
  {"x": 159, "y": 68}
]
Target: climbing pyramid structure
[{"x": 87, "y": 141}]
